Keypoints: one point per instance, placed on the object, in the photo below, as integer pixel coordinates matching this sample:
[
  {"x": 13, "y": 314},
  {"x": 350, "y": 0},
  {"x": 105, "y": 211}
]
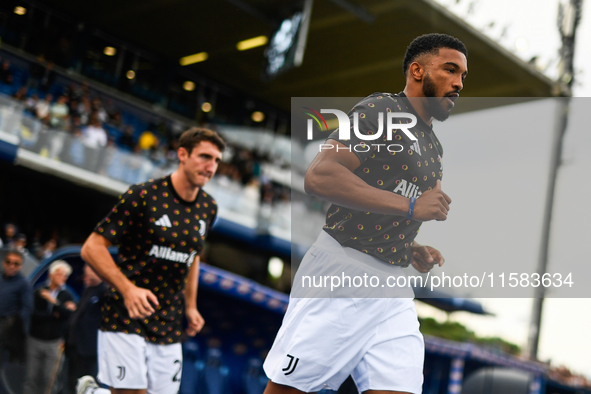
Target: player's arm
[
  {"x": 137, "y": 300},
  {"x": 194, "y": 320},
  {"x": 331, "y": 177}
]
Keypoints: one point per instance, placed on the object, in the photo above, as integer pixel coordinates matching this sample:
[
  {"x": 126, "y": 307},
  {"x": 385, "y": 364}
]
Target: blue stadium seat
[
  {"x": 255, "y": 379},
  {"x": 217, "y": 375},
  {"x": 5, "y": 89},
  {"x": 193, "y": 380}
]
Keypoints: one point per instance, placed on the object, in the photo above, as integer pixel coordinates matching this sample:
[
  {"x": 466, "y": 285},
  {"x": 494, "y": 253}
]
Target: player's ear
[
  {"x": 182, "y": 154},
  {"x": 416, "y": 71}
]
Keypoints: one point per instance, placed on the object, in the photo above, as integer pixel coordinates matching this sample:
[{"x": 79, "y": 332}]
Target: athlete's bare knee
[{"x": 274, "y": 388}]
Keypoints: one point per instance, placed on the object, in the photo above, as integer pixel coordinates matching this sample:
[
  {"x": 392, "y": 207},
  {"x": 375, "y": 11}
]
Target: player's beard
[{"x": 435, "y": 104}]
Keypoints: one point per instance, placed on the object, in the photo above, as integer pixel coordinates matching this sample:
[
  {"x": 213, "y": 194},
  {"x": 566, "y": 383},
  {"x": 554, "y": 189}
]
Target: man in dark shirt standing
[
  {"x": 53, "y": 306},
  {"x": 16, "y": 306},
  {"x": 160, "y": 227},
  {"x": 84, "y": 325},
  {"x": 379, "y": 199}
]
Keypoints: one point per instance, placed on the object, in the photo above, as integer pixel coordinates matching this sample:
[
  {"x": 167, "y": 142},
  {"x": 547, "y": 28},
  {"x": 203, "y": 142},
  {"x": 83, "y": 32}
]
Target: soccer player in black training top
[
  {"x": 380, "y": 198},
  {"x": 160, "y": 227}
]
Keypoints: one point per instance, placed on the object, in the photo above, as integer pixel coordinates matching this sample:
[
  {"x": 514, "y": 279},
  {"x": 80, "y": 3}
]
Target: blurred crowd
[
  {"x": 565, "y": 376},
  {"x": 88, "y": 129},
  {"x": 92, "y": 117},
  {"x": 33, "y": 253}
]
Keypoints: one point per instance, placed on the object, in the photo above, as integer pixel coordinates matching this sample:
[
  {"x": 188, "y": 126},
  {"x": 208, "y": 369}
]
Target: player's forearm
[
  {"x": 191, "y": 285},
  {"x": 95, "y": 252},
  {"x": 335, "y": 183}
]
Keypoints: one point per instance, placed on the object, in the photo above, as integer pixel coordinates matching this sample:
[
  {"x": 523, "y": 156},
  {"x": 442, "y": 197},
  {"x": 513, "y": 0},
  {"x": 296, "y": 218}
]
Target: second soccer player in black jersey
[{"x": 160, "y": 227}]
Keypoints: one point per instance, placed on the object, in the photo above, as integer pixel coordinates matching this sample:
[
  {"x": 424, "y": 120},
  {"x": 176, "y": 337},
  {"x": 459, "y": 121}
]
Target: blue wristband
[{"x": 411, "y": 208}]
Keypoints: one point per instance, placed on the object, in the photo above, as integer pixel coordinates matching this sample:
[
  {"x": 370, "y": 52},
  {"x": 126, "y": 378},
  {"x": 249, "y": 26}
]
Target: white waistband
[{"x": 326, "y": 242}]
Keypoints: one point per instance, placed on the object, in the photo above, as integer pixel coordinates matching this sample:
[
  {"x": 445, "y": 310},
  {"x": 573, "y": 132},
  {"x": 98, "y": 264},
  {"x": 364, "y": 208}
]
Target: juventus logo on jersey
[
  {"x": 202, "y": 227},
  {"x": 289, "y": 369}
]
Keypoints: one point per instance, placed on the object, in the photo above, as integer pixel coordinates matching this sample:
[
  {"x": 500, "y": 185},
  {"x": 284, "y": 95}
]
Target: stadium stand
[{"x": 226, "y": 357}]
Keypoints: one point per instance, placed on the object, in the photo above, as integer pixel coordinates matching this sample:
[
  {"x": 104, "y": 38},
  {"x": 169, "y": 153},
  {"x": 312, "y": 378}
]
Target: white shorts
[
  {"x": 128, "y": 361},
  {"x": 324, "y": 340}
]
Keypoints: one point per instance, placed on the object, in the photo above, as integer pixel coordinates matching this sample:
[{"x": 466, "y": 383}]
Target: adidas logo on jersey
[
  {"x": 415, "y": 146},
  {"x": 164, "y": 221},
  {"x": 166, "y": 253}
]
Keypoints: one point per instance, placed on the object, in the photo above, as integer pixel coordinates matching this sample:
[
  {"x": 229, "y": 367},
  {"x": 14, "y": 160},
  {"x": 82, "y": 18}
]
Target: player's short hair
[
  {"x": 15, "y": 252},
  {"x": 193, "y": 137},
  {"x": 60, "y": 264},
  {"x": 430, "y": 43}
]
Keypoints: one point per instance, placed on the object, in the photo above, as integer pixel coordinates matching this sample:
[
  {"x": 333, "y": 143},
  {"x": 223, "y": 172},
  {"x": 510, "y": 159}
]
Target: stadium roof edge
[{"x": 345, "y": 57}]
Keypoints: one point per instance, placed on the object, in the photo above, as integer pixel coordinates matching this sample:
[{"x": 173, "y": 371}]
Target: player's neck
[
  {"x": 418, "y": 100},
  {"x": 183, "y": 187}
]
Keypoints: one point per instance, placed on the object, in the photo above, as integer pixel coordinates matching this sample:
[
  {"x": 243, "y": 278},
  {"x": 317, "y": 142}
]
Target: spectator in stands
[
  {"x": 116, "y": 120},
  {"x": 111, "y": 109},
  {"x": 73, "y": 92},
  {"x": 157, "y": 156},
  {"x": 5, "y": 73},
  {"x": 95, "y": 137},
  {"x": 42, "y": 107},
  {"x": 20, "y": 243},
  {"x": 76, "y": 92},
  {"x": 99, "y": 110},
  {"x": 126, "y": 141},
  {"x": 53, "y": 306},
  {"x": 73, "y": 108},
  {"x": 16, "y": 306},
  {"x": 83, "y": 332},
  {"x": 85, "y": 110},
  {"x": 244, "y": 161},
  {"x": 76, "y": 123},
  {"x": 58, "y": 113},
  {"x": 46, "y": 251},
  {"x": 10, "y": 232},
  {"x": 147, "y": 142},
  {"x": 47, "y": 78},
  {"x": 94, "y": 134},
  {"x": 31, "y": 104},
  {"x": 21, "y": 94}
]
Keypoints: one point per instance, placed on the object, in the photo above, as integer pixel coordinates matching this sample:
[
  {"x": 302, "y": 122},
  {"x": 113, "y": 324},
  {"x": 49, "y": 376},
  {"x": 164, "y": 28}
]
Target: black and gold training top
[
  {"x": 399, "y": 165},
  {"x": 158, "y": 234}
]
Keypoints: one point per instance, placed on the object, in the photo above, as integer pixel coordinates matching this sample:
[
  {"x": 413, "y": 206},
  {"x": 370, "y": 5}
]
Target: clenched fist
[{"x": 432, "y": 205}]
